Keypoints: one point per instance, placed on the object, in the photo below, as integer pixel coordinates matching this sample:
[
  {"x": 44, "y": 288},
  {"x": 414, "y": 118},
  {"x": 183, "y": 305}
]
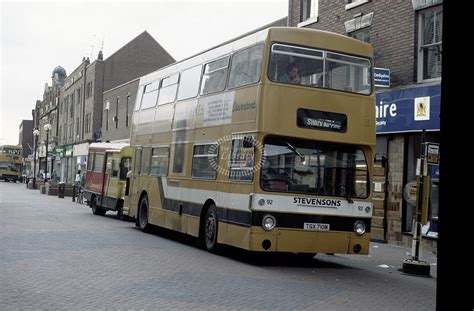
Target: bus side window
[
  {"x": 146, "y": 159},
  {"x": 203, "y": 156},
  {"x": 159, "y": 161},
  {"x": 215, "y": 76},
  {"x": 99, "y": 163},
  {"x": 125, "y": 167}
]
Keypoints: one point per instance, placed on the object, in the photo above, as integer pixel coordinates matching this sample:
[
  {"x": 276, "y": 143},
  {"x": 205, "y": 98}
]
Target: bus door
[
  {"x": 134, "y": 194},
  {"x": 105, "y": 178},
  {"x": 112, "y": 174}
]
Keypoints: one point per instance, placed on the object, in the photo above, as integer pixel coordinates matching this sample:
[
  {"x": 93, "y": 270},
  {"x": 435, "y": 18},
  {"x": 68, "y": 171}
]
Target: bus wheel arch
[{"x": 209, "y": 226}]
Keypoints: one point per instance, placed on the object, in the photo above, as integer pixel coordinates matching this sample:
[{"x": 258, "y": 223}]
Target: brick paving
[{"x": 56, "y": 255}]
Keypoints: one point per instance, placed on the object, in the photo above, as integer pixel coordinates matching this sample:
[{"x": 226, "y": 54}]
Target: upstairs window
[
  {"x": 189, "y": 84},
  {"x": 150, "y": 94},
  {"x": 309, "y": 12},
  {"x": 215, "y": 76},
  {"x": 169, "y": 85},
  {"x": 430, "y": 25},
  {"x": 246, "y": 66}
]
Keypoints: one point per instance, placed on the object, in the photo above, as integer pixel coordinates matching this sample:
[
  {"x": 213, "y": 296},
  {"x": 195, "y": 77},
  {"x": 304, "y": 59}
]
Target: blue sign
[
  {"x": 435, "y": 172},
  {"x": 408, "y": 110},
  {"x": 382, "y": 77}
]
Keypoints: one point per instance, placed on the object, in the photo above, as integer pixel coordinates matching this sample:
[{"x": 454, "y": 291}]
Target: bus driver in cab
[{"x": 291, "y": 75}]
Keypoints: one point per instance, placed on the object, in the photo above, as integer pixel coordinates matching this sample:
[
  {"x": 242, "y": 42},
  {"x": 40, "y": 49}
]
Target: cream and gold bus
[{"x": 231, "y": 150}]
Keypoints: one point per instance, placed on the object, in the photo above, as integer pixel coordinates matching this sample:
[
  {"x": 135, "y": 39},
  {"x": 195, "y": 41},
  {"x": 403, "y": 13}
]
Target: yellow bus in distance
[
  {"x": 265, "y": 143},
  {"x": 11, "y": 163}
]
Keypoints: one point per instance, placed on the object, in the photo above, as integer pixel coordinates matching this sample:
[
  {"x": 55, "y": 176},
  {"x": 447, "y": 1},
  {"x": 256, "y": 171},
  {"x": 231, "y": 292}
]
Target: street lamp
[
  {"x": 35, "y": 137},
  {"x": 47, "y": 128}
]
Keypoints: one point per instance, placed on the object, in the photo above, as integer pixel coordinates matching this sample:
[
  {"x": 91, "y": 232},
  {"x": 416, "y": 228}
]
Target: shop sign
[{"x": 408, "y": 110}]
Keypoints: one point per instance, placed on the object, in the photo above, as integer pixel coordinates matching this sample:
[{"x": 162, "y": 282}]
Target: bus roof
[{"x": 301, "y": 36}]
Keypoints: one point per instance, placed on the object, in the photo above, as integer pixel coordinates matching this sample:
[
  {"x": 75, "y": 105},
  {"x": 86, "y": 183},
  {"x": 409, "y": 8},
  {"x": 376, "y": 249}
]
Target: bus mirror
[{"x": 248, "y": 142}]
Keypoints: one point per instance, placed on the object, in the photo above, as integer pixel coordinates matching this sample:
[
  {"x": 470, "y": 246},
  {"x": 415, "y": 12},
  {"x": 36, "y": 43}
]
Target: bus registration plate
[{"x": 311, "y": 226}]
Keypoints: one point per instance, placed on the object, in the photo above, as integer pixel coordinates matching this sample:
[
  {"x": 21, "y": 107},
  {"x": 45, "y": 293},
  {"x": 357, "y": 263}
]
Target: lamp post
[
  {"x": 35, "y": 137},
  {"x": 47, "y": 128}
]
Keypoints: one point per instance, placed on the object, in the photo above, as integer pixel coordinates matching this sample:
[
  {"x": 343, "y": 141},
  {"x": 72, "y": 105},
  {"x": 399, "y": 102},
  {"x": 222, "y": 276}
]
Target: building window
[
  {"x": 77, "y": 127},
  {"x": 309, "y": 12},
  {"x": 362, "y": 35},
  {"x": 88, "y": 122},
  {"x": 126, "y": 110},
  {"x": 106, "y": 114},
  {"x": 354, "y": 3},
  {"x": 89, "y": 89},
  {"x": 117, "y": 102},
  {"x": 430, "y": 25}
]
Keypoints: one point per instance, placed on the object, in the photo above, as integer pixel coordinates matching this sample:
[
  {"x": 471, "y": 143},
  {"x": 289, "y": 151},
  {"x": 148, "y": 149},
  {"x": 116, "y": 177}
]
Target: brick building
[
  {"x": 406, "y": 36},
  {"x": 81, "y": 105}
]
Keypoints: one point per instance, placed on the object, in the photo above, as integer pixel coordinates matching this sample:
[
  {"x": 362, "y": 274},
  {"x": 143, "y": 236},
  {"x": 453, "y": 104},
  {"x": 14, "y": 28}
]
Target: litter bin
[{"x": 61, "y": 189}]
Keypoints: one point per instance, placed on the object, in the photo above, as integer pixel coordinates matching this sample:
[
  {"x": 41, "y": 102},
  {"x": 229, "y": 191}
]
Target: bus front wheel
[{"x": 211, "y": 223}]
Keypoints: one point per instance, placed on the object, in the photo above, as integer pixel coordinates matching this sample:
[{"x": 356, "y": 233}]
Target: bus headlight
[
  {"x": 268, "y": 222},
  {"x": 359, "y": 227}
]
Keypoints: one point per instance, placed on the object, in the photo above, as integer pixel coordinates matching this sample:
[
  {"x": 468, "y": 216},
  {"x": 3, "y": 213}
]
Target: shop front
[{"x": 405, "y": 117}]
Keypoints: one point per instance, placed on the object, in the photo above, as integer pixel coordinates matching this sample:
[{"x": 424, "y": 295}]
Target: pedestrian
[
  {"x": 54, "y": 176},
  {"x": 78, "y": 178}
]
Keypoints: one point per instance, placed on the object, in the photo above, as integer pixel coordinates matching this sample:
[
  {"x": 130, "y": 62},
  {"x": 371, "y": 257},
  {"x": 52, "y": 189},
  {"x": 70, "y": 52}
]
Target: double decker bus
[
  {"x": 11, "y": 163},
  {"x": 230, "y": 151},
  {"x": 106, "y": 177}
]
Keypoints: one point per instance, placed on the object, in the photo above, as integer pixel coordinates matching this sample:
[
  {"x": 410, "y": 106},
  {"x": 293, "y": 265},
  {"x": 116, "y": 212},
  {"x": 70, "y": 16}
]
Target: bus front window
[
  {"x": 320, "y": 69},
  {"x": 301, "y": 166}
]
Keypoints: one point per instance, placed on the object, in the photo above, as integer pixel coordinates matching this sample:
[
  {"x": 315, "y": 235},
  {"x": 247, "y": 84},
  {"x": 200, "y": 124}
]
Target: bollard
[
  {"x": 74, "y": 192},
  {"x": 61, "y": 190}
]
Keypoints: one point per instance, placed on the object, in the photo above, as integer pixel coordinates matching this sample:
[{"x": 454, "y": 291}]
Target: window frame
[
  {"x": 421, "y": 31},
  {"x": 313, "y": 14}
]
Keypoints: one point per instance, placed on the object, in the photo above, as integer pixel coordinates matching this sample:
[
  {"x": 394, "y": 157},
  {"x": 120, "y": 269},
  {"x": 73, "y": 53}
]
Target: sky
[{"x": 37, "y": 36}]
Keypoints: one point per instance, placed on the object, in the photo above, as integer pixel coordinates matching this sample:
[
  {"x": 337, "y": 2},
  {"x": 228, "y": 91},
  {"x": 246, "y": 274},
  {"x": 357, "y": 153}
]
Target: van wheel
[
  {"x": 211, "y": 223},
  {"x": 95, "y": 209},
  {"x": 143, "y": 215}
]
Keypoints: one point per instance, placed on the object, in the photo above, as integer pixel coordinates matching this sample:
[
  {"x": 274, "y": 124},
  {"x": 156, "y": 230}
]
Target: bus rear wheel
[
  {"x": 143, "y": 215},
  {"x": 211, "y": 223}
]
